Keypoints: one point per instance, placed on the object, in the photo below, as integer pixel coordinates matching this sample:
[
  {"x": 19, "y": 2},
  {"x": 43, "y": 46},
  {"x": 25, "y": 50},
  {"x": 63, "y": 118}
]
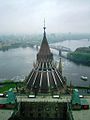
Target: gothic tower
[
  {"x": 45, "y": 77},
  {"x": 44, "y": 54}
]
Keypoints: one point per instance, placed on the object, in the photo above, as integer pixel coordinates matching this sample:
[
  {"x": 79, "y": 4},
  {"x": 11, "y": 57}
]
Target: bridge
[{"x": 60, "y": 48}]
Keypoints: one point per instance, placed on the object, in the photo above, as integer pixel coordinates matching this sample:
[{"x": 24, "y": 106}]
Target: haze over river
[{"x": 19, "y": 62}]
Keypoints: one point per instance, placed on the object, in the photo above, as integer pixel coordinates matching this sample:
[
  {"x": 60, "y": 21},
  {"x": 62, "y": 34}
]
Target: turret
[{"x": 60, "y": 66}]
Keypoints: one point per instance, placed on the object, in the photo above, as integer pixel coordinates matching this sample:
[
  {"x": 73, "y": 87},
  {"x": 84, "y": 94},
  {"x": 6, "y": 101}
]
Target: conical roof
[
  {"x": 44, "y": 52},
  {"x": 44, "y": 49}
]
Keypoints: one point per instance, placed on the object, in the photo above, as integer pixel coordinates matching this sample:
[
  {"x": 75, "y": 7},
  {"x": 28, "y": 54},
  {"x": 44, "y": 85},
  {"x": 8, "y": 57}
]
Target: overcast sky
[{"x": 26, "y": 16}]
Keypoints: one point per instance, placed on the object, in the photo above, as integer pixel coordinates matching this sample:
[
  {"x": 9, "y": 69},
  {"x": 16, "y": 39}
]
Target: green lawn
[{"x": 6, "y": 87}]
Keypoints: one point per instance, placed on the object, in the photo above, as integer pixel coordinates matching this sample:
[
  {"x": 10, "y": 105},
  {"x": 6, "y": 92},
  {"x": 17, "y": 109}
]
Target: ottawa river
[{"x": 17, "y": 63}]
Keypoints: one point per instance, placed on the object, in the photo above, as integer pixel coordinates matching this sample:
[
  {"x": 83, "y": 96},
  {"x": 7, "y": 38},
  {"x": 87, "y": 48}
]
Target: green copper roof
[
  {"x": 75, "y": 97},
  {"x": 84, "y": 101},
  {"x": 3, "y": 101},
  {"x": 11, "y": 97}
]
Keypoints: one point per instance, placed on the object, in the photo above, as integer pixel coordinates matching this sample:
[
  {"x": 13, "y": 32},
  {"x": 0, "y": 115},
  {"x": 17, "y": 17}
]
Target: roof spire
[
  {"x": 44, "y": 24},
  {"x": 44, "y": 29},
  {"x": 44, "y": 53}
]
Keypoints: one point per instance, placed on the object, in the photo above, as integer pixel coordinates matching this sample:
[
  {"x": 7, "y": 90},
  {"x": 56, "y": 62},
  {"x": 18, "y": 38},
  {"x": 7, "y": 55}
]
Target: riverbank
[
  {"x": 15, "y": 45},
  {"x": 80, "y": 56}
]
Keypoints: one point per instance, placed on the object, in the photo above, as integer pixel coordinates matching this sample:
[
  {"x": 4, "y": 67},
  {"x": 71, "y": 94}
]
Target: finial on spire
[
  {"x": 44, "y": 24},
  {"x": 44, "y": 37}
]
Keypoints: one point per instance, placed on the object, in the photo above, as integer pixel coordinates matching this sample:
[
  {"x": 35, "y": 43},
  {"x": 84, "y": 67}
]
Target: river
[{"x": 17, "y": 63}]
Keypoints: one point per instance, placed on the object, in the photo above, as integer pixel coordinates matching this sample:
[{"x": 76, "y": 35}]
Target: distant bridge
[{"x": 60, "y": 48}]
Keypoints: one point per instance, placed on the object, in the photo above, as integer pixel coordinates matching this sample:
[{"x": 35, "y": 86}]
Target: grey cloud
[{"x": 61, "y": 15}]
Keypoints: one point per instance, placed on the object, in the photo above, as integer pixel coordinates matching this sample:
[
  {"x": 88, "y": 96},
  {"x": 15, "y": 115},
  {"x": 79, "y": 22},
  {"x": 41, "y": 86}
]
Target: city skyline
[{"x": 26, "y": 16}]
